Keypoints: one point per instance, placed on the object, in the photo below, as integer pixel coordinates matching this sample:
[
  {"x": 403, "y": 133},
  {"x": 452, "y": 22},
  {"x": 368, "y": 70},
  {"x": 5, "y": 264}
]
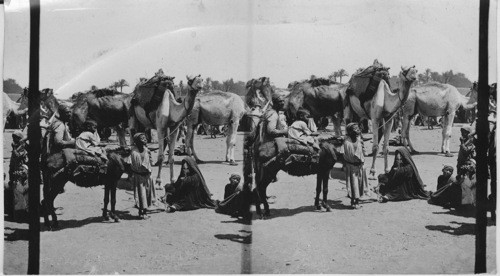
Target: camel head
[
  {"x": 408, "y": 73},
  {"x": 195, "y": 82},
  {"x": 167, "y": 82}
]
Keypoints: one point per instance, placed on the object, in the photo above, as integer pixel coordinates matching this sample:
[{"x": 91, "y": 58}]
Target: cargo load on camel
[
  {"x": 297, "y": 158},
  {"x": 83, "y": 168},
  {"x": 149, "y": 94},
  {"x": 364, "y": 84}
]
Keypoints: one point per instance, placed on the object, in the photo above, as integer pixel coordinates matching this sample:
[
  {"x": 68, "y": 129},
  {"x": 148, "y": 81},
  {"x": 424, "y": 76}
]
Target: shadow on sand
[
  {"x": 16, "y": 234},
  {"x": 244, "y": 238}
]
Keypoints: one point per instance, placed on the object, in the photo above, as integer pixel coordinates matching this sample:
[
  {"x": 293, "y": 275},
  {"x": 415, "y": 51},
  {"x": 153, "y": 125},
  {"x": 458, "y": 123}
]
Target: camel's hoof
[
  {"x": 318, "y": 207},
  {"x": 327, "y": 208},
  {"x": 198, "y": 161},
  {"x": 448, "y": 154},
  {"x": 233, "y": 163},
  {"x": 158, "y": 163},
  {"x": 414, "y": 152}
]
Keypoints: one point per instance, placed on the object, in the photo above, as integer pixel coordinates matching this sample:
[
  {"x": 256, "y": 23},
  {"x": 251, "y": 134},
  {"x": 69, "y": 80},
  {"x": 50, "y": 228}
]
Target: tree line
[{"x": 458, "y": 79}]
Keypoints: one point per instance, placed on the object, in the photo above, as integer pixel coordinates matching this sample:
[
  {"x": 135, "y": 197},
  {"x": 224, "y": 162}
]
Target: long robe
[
  {"x": 237, "y": 199},
  {"x": 190, "y": 192},
  {"x": 355, "y": 173},
  {"x": 404, "y": 182},
  {"x": 448, "y": 192},
  {"x": 144, "y": 191}
]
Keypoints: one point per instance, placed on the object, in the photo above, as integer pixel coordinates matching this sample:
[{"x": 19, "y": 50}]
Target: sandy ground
[{"x": 395, "y": 237}]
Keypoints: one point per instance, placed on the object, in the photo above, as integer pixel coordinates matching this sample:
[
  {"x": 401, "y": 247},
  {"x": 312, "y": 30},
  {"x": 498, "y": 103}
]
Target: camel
[
  {"x": 381, "y": 107},
  {"x": 434, "y": 99},
  {"x": 10, "y": 106},
  {"x": 166, "y": 118},
  {"x": 266, "y": 167},
  {"x": 216, "y": 108},
  {"x": 320, "y": 98},
  {"x": 109, "y": 108},
  {"x": 57, "y": 171}
]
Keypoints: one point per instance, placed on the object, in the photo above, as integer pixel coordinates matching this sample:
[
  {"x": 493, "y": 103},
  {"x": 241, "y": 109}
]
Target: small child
[
  {"x": 301, "y": 132},
  {"x": 89, "y": 139},
  {"x": 467, "y": 149},
  {"x": 233, "y": 186},
  {"x": 446, "y": 178}
]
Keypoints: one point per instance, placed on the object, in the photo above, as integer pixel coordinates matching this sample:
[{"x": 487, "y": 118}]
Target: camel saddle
[
  {"x": 83, "y": 168},
  {"x": 287, "y": 151},
  {"x": 364, "y": 84},
  {"x": 149, "y": 94}
]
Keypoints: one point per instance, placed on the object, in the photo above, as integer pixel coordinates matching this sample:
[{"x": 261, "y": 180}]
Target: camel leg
[
  {"x": 231, "y": 143},
  {"x": 107, "y": 189},
  {"x": 374, "y": 147},
  {"x": 324, "y": 178},
  {"x": 161, "y": 148},
  {"x": 405, "y": 132},
  {"x": 190, "y": 143},
  {"x": 319, "y": 180},
  {"x": 171, "y": 147},
  {"x": 120, "y": 132},
  {"x": 337, "y": 122},
  {"x": 385, "y": 147},
  {"x": 113, "y": 201},
  {"x": 447, "y": 126}
]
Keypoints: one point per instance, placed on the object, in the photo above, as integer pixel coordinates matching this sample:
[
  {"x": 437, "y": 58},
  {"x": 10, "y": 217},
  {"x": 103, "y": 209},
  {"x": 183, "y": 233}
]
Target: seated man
[
  {"x": 237, "y": 199},
  {"x": 89, "y": 139},
  {"x": 301, "y": 132}
]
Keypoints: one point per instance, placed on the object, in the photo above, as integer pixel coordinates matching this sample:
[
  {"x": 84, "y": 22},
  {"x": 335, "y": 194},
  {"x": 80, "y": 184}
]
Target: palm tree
[
  {"x": 121, "y": 83},
  {"x": 93, "y": 87},
  {"x": 333, "y": 76},
  {"x": 342, "y": 73},
  {"x": 427, "y": 74}
]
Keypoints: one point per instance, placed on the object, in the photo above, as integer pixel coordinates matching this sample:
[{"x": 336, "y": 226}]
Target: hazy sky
[{"x": 85, "y": 43}]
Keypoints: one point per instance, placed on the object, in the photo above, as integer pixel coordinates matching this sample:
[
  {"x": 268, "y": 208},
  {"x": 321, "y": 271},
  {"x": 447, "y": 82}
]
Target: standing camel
[
  {"x": 216, "y": 108},
  {"x": 10, "y": 106},
  {"x": 434, "y": 99},
  {"x": 266, "y": 165},
  {"x": 381, "y": 107},
  {"x": 166, "y": 118},
  {"x": 321, "y": 100},
  {"x": 109, "y": 108}
]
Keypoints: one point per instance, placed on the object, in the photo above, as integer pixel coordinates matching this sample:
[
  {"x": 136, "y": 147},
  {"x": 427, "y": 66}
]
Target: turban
[
  {"x": 350, "y": 127},
  {"x": 235, "y": 176},
  {"x": 448, "y": 167},
  {"x": 303, "y": 112},
  {"x": 466, "y": 129},
  {"x": 137, "y": 136},
  {"x": 18, "y": 134}
]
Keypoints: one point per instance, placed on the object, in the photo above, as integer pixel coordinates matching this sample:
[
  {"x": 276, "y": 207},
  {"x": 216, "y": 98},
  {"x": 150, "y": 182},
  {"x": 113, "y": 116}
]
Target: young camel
[{"x": 166, "y": 119}]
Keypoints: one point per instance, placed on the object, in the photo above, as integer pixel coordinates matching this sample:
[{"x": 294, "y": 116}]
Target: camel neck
[
  {"x": 404, "y": 88},
  {"x": 188, "y": 101}
]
